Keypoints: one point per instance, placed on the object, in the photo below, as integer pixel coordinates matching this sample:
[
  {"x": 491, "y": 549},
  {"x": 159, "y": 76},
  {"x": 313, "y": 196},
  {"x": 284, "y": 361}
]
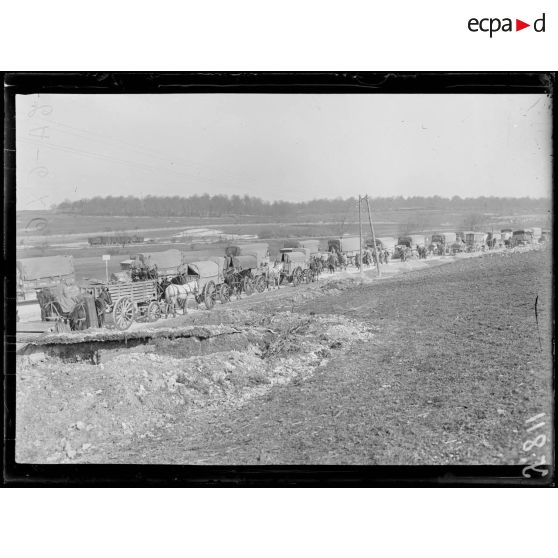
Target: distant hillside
[{"x": 220, "y": 206}]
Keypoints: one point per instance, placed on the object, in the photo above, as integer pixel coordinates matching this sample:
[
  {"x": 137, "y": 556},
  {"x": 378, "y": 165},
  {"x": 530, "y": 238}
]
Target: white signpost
[{"x": 106, "y": 258}]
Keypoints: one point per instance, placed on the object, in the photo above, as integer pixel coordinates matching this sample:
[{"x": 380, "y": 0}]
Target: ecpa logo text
[{"x": 494, "y": 24}]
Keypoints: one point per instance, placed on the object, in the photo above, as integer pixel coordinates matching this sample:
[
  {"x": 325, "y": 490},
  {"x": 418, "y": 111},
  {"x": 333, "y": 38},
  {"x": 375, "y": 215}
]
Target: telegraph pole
[
  {"x": 373, "y": 235},
  {"x": 360, "y": 233}
]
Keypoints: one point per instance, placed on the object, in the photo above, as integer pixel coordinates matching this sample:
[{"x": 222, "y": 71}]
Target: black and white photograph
[{"x": 287, "y": 278}]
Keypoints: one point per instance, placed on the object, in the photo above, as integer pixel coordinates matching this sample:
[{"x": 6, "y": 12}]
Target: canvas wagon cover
[
  {"x": 48, "y": 266},
  {"x": 67, "y": 296},
  {"x": 260, "y": 249},
  {"x": 245, "y": 262},
  {"x": 475, "y": 237},
  {"x": 299, "y": 257},
  {"x": 445, "y": 237},
  {"x": 221, "y": 262},
  {"x": 345, "y": 244},
  {"x": 384, "y": 242},
  {"x": 313, "y": 245},
  {"x": 205, "y": 269},
  {"x": 419, "y": 239},
  {"x": 169, "y": 259}
]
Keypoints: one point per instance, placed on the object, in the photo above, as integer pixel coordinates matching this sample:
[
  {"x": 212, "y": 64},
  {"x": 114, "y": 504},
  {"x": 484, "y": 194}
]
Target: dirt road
[{"x": 441, "y": 366}]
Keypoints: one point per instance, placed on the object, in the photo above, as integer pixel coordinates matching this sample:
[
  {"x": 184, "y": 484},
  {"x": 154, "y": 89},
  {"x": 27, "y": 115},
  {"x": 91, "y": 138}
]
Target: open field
[
  {"x": 439, "y": 366},
  {"x": 67, "y": 234}
]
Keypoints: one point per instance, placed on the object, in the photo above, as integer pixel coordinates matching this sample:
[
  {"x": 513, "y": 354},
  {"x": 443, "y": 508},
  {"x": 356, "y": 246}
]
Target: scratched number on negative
[{"x": 537, "y": 442}]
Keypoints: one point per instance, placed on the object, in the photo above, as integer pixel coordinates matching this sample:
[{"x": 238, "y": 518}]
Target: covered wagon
[
  {"x": 295, "y": 266},
  {"x": 386, "y": 243},
  {"x": 258, "y": 272},
  {"x": 209, "y": 277},
  {"x": 67, "y": 305},
  {"x": 475, "y": 241},
  {"x": 258, "y": 249},
  {"x": 442, "y": 242},
  {"x": 157, "y": 264},
  {"x": 37, "y": 273},
  {"x": 412, "y": 240},
  {"x": 506, "y": 233},
  {"x": 522, "y": 237},
  {"x": 349, "y": 245},
  {"x": 537, "y": 233},
  {"x": 383, "y": 244},
  {"x": 240, "y": 274},
  {"x": 312, "y": 244},
  {"x": 494, "y": 240}
]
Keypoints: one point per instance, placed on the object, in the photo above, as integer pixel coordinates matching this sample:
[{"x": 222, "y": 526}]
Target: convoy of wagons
[{"x": 137, "y": 290}]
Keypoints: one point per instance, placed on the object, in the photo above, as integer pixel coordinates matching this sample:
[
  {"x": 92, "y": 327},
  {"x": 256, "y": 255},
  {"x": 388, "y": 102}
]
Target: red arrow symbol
[{"x": 519, "y": 25}]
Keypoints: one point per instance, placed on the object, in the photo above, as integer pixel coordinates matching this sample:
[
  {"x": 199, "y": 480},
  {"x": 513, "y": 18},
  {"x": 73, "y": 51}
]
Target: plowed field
[{"x": 439, "y": 366}]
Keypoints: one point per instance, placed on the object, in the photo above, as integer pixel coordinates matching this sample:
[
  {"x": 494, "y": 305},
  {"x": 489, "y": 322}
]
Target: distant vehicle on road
[{"x": 115, "y": 240}]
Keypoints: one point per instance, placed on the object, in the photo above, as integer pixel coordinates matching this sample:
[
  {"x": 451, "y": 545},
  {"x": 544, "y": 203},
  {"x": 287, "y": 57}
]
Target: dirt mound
[{"x": 91, "y": 409}]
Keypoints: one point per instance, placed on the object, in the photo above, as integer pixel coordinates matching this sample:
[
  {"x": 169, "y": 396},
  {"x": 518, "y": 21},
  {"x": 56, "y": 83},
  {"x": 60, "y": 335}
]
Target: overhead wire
[
  {"x": 79, "y": 132},
  {"x": 113, "y": 159}
]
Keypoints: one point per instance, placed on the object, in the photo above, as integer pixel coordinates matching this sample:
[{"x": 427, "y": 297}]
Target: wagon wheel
[
  {"x": 297, "y": 276},
  {"x": 248, "y": 285},
  {"x": 80, "y": 322},
  {"x": 50, "y": 311},
  {"x": 209, "y": 295},
  {"x": 261, "y": 284},
  {"x": 153, "y": 311},
  {"x": 123, "y": 313},
  {"x": 224, "y": 293}
]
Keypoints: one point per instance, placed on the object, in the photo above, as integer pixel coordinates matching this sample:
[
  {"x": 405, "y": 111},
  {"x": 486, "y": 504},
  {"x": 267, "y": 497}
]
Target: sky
[{"x": 281, "y": 146}]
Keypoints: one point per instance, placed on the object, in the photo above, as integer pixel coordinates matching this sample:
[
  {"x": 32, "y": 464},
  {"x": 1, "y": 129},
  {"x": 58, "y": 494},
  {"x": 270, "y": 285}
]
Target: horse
[
  {"x": 77, "y": 318},
  {"x": 274, "y": 274},
  {"x": 316, "y": 268},
  {"x": 101, "y": 302},
  {"x": 331, "y": 262},
  {"x": 178, "y": 294}
]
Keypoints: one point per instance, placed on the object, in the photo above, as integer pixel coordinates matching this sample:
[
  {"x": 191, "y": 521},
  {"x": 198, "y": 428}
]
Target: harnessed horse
[
  {"x": 316, "y": 268},
  {"x": 274, "y": 274},
  {"x": 178, "y": 294},
  {"x": 331, "y": 262}
]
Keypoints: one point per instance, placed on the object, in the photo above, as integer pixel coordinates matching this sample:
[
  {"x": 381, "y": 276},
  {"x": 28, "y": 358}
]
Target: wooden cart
[{"x": 130, "y": 301}]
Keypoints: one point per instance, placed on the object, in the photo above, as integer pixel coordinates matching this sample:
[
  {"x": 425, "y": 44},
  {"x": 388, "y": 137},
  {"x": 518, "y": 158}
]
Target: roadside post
[
  {"x": 373, "y": 235},
  {"x": 106, "y": 258},
  {"x": 360, "y": 233}
]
